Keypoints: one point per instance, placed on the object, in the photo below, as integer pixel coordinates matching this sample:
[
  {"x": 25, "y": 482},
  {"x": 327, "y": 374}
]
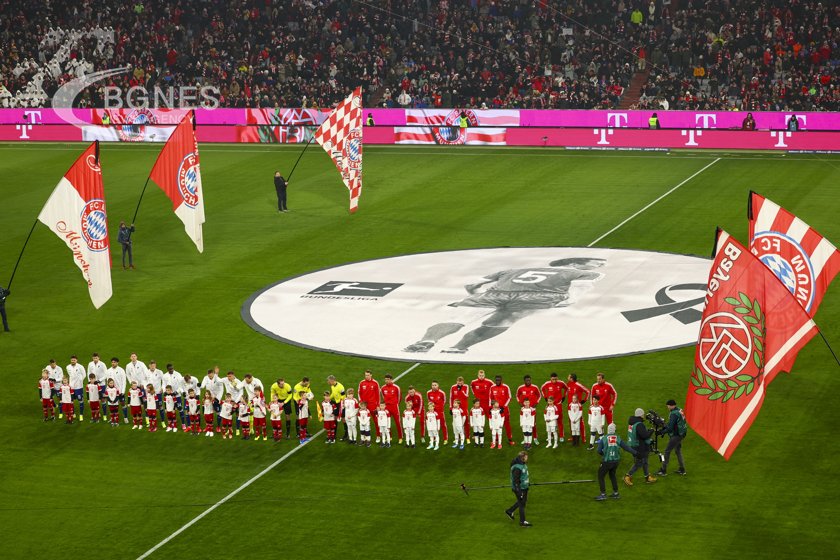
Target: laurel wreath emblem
[{"x": 743, "y": 384}]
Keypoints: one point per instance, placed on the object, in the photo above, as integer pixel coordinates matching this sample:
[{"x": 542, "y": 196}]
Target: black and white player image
[{"x": 513, "y": 295}]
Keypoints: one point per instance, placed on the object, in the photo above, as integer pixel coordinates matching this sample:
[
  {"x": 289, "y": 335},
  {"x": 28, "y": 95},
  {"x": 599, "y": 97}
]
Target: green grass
[{"x": 101, "y": 492}]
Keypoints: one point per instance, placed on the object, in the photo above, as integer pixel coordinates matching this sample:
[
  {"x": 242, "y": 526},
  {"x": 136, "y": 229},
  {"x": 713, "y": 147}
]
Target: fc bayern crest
[
  {"x": 188, "y": 179},
  {"x": 95, "y": 225},
  {"x": 353, "y": 149},
  {"x": 796, "y": 273},
  {"x": 454, "y": 134},
  {"x": 133, "y": 128},
  {"x": 725, "y": 345},
  {"x": 93, "y": 164}
]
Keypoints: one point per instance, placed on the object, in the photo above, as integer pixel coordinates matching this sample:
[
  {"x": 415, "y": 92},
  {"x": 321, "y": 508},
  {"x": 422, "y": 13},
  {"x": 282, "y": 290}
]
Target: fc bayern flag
[
  {"x": 805, "y": 261},
  {"x": 75, "y": 212},
  {"x": 178, "y": 173},
  {"x": 752, "y": 328},
  {"x": 341, "y": 137}
]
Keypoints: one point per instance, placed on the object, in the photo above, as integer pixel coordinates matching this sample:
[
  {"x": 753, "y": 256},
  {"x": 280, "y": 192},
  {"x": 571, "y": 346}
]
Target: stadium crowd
[
  {"x": 712, "y": 54},
  {"x": 143, "y": 391}
]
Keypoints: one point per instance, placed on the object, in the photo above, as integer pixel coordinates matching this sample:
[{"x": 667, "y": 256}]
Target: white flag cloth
[{"x": 75, "y": 212}]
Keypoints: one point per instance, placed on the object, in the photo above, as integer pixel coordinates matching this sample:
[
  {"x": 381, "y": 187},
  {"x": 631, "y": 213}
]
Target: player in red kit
[
  {"x": 392, "y": 395},
  {"x": 557, "y": 389},
  {"x": 607, "y": 397},
  {"x": 500, "y": 393},
  {"x": 481, "y": 390},
  {"x": 582, "y": 393},
  {"x": 369, "y": 393},
  {"x": 460, "y": 392},
  {"x": 438, "y": 398},
  {"x": 529, "y": 392},
  {"x": 416, "y": 400}
]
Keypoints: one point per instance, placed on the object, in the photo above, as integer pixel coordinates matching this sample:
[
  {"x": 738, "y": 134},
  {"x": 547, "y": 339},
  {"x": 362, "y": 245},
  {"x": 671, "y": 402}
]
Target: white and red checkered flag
[
  {"x": 805, "y": 261},
  {"x": 341, "y": 137}
]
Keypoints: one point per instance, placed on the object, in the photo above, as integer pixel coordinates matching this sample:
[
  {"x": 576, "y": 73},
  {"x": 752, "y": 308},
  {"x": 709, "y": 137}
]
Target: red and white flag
[
  {"x": 178, "y": 173},
  {"x": 341, "y": 137},
  {"x": 75, "y": 212},
  {"x": 805, "y": 261},
  {"x": 752, "y": 328}
]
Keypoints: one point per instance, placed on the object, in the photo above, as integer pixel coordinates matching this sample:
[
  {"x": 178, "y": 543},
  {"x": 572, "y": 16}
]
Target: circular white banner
[{"x": 501, "y": 305}]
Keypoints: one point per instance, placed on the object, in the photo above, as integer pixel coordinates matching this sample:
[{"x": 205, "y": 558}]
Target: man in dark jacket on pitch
[
  {"x": 519, "y": 482},
  {"x": 638, "y": 437}
]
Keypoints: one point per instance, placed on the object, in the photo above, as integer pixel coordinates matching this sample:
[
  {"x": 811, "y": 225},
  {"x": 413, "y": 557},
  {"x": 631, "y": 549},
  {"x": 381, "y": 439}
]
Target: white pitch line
[
  {"x": 253, "y": 479},
  {"x": 654, "y": 202}
]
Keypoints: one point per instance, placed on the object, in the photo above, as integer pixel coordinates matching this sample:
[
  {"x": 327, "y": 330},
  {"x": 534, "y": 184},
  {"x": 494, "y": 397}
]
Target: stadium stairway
[{"x": 634, "y": 90}]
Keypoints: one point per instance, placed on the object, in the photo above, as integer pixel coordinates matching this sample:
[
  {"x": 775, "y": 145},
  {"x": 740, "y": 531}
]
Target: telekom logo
[
  {"x": 706, "y": 118},
  {"x": 615, "y": 120},
  {"x": 691, "y": 133},
  {"x": 604, "y": 132},
  {"x": 33, "y": 117},
  {"x": 781, "y": 135}
]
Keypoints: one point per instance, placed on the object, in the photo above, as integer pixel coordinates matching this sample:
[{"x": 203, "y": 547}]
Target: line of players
[{"x": 176, "y": 395}]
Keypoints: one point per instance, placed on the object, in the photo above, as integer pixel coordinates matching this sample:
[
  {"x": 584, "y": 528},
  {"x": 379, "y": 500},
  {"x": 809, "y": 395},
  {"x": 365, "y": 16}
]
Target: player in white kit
[
  {"x": 575, "y": 414},
  {"x": 477, "y": 422},
  {"x": 527, "y": 421},
  {"x": 409, "y": 422},
  {"x": 350, "y": 412},
  {"x": 497, "y": 422},
  {"x": 364, "y": 424},
  {"x": 433, "y": 428},
  {"x": 596, "y": 421},
  {"x": 459, "y": 419},
  {"x": 551, "y": 414},
  {"x": 383, "y": 421}
]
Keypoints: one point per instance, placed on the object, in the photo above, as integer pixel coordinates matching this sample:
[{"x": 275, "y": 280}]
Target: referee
[
  {"x": 284, "y": 394},
  {"x": 519, "y": 483}
]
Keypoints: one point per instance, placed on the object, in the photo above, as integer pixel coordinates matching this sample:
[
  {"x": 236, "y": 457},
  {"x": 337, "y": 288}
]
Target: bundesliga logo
[
  {"x": 94, "y": 225},
  {"x": 797, "y": 274},
  {"x": 188, "y": 180}
]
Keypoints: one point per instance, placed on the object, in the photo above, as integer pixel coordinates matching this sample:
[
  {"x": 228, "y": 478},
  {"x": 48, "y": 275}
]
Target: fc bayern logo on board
[
  {"x": 188, "y": 175},
  {"x": 797, "y": 274},
  {"x": 454, "y": 134},
  {"x": 95, "y": 225},
  {"x": 133, "y": 128},
  {"x": 353, "y": 149},
  {"x": 725, "y": 345}
]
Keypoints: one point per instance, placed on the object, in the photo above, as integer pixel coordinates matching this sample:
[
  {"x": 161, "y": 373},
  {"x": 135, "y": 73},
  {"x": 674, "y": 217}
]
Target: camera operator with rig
[
  {"x": 677, "y": 430},
  {"x": 639, "y": 438}
]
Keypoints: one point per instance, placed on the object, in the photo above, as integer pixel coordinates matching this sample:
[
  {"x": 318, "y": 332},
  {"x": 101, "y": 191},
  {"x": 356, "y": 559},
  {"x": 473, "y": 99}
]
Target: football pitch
[{"x": 95, "y": 491}]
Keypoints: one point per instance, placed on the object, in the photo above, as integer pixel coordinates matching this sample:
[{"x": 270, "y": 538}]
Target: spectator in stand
[{"x": 749, "y": 122}]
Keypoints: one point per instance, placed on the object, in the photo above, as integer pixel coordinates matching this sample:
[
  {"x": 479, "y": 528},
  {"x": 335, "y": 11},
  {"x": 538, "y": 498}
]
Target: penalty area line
[
  {"x": 250, "y": 481},
  {"x": 655, "y": 201}
]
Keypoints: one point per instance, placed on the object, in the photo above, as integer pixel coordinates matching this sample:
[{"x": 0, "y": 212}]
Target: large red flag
[
  {"x": 805, "y": 261},
  {"x": 178, "y": 173},
  {"x": 341, "y": 137},
  {"x": 752, "y": 328},
  {"x": 75, "y": 212}
]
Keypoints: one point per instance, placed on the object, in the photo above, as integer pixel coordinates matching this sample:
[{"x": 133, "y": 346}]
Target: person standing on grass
[
  {"x": 554, "y": 388},
  {"x": 639, "y": 437},
  {"x": 607, "y": 396},
  {"x": 369, "y": 393},
  {"x": 280, "y": 185},
  {"x": 299, "y": 394},
  {"x": 4, "y": 293},
  {"x": 283, "y": 392},
  {"x": 124, "y": 239},
  {"x": 392, "y": 397},
  {"x": 676, "y": 430},
  {"x": 609, "y": 448},
  {"x": 519, "y": 483}
]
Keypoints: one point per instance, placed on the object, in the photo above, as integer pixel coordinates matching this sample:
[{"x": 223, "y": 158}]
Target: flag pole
[
  {"x": 20, "y": 256},
  {"x": 830, "y": 349},
  {"x": 298, "y": 159},
  {"x": 136, "y": 210}
]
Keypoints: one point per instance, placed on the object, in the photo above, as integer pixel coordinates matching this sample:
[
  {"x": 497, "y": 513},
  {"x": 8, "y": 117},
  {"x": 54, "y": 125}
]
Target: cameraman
[
  {"x": 639, "y": 437},
  {"x": 676, "y": 429}
]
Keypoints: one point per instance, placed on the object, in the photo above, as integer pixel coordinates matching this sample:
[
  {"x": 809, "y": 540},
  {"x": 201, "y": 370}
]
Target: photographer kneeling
[
  {"x": 677, "y": 430},
  {"x": 639, "y": 437}
]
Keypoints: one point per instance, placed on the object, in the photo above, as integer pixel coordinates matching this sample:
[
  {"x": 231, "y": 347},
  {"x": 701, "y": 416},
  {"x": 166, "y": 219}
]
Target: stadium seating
[{"x": 715, "y": 54}]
